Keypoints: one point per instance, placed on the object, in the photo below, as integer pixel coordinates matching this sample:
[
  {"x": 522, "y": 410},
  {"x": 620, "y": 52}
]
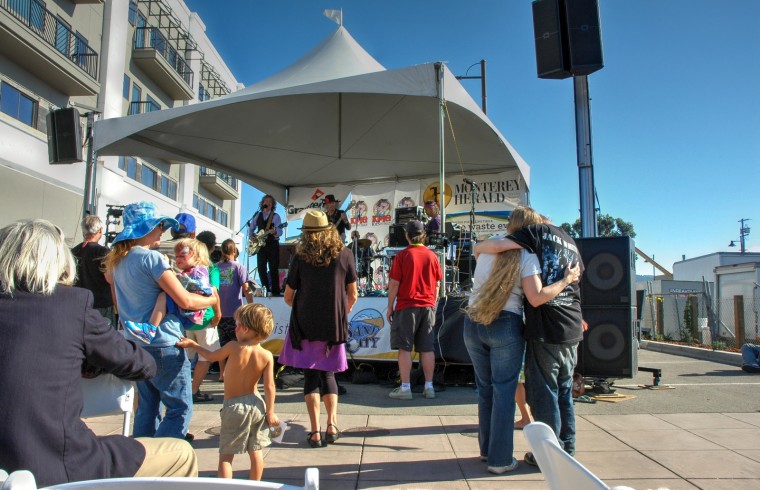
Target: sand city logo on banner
[{"x": 363, "y": 330}]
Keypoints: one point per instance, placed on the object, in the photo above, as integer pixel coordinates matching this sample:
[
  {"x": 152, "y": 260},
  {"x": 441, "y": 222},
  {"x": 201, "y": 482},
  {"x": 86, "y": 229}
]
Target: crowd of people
[{"x": 137, "y": 309}]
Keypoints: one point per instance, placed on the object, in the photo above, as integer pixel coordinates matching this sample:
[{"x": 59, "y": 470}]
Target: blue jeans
[
  {"x": 496, "y": 351},
  {"x": 171, "y": 386},
  {"x": 750, "y": 355},
  {"x": 549, "y": 387}
]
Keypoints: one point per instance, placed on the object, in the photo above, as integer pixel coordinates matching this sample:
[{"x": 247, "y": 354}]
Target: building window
[
  {"x": 62, "y": 36},
  {"x": 209, "y": 210},
  {"x": 152, "y": 105},
  {"x": 125, "y": 88},
  {"x": 136, "y": 97},
  {"x": 17, "y": 105},
  {"x": 132, "y": 11},
  {"x": 202, "y": 93},
  {"x": 149, "y": 177}
]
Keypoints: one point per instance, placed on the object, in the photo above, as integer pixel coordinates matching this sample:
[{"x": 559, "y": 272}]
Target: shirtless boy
[{"x": 246, "y": 418}]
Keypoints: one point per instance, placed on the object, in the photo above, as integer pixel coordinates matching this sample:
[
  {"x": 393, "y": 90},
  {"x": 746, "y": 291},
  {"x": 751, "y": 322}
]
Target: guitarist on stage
[
  {"x": 268, "y": 257},
  {"x": 336, "y": 216}
]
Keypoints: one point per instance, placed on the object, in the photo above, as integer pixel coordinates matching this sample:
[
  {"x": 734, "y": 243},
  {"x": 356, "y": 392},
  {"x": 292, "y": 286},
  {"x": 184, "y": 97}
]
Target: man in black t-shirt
[
  {"x": 552, "y": 330},
  {"x": 89, "y": 254}
]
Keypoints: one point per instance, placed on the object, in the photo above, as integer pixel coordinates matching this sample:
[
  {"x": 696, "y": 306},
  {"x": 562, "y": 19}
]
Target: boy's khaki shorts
[{"x": 244, "y": 425}]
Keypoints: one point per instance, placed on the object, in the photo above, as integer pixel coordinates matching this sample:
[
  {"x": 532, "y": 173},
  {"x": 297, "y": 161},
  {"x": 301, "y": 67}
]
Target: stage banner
[
  {"x": 496, "y": 195},
  {"x": 407, "y": 194},
  {"x": 301, "y": 199},
  {"x": 368, "y": 328},
  {"x": 372, "y": 213}
]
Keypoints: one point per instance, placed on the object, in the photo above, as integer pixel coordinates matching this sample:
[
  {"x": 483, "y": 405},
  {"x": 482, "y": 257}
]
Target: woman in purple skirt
[{"x": 321, "y": 289}]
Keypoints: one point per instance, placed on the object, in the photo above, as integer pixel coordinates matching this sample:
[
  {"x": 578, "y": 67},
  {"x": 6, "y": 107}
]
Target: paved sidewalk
[{"x": 433, "y": 443}]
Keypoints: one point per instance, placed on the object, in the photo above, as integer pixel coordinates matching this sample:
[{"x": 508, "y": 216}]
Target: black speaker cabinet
[
  {"x": 584, "y": 35},
  {"x": 608, "y": 349},
  {"x": 397, "y": 236},
  {"x": 64, "y": 136},
  {"x": 609, "y": 277},
  {"x": 547, "y": 29},
  {"x": 568, "y": 38}
]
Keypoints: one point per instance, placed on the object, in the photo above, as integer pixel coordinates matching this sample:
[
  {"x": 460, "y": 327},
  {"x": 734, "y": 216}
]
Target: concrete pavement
[{"x": 704, "y": 433}]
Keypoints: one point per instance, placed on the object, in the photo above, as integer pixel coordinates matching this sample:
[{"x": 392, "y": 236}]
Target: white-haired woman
[{"x": 49, "y": 330}]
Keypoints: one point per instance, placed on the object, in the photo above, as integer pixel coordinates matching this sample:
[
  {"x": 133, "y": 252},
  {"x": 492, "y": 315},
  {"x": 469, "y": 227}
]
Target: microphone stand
[{"x": 469, "y": 283}]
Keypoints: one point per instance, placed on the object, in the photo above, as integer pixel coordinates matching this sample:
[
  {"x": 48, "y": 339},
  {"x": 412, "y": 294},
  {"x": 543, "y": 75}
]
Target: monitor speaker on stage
[
  {"x": 397, "y": 236},
  {"x": 608, "y": 301},
  {"x": 568, "y": 38},
  {"x": 404, "y": 215},
  {"x": 64, "y": 136}
]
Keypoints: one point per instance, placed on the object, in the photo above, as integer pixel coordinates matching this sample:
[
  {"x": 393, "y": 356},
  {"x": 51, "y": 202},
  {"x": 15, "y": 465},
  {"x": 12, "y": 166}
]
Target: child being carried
[{"x": 191, "y": 257}]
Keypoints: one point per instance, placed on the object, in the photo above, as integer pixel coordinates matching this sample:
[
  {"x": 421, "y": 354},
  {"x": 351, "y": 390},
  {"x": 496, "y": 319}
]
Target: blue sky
[{"x": 675, "y": 110}]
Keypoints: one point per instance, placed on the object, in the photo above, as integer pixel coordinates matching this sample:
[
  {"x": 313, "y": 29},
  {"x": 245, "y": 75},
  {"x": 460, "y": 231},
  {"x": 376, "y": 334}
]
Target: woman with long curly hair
[
  {"x": 493, "y": 336},
  {"x": 321, "y": 289}
]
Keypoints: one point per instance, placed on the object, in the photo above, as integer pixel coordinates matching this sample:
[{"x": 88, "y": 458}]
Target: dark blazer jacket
[{"x": 43, "y": 342}]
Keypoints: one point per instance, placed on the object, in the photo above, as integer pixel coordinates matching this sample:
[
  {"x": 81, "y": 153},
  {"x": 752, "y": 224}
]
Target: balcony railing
[
  {"x": 54, "y": 32},
  {"x": 142, "y": 106},
  {"x": 151, "y": 37},
  {"x": 231, "y": 181}
]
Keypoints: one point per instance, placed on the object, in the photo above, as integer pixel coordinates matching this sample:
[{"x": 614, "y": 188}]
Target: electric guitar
[{"x": 260, "y": 239}]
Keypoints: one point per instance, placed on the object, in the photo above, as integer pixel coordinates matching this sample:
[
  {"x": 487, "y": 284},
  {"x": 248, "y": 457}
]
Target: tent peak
[{"x": 337, "y": 56}]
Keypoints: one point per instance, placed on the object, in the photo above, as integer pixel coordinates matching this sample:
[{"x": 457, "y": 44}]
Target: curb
[{"x": 723, "y": 357}]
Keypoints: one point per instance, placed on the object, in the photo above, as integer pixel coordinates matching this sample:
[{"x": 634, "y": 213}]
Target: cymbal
[{"x": 364, "y": 243}]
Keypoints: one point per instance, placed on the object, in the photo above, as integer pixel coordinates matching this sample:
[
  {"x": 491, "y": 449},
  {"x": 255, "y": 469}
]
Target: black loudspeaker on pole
[
  {"x": 64, "y": 136},
  {"x": 608, "y": 301},
  {"x": 568, "y": 38}
]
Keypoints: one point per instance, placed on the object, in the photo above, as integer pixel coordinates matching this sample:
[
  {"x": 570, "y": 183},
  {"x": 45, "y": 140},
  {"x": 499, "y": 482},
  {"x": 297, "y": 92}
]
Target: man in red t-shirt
[{"x": 415, "y": 284}]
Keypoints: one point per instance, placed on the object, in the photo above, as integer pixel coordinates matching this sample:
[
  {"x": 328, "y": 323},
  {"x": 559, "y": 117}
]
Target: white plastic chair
[
  {"x": 24, "y": 480},
  {"x": 561, "y": 471},
  {"x": 108, "y": 395}
]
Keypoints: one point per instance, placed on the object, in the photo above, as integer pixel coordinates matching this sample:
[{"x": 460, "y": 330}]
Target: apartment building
[{"x": 109, "y": 58}]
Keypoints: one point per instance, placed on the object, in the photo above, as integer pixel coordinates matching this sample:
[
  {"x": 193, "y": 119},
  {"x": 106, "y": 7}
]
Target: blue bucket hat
[{"x": 140, "y": 218}]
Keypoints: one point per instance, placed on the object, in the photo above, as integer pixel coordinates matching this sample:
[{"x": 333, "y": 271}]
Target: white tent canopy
[{"x": 335, "y": 116}]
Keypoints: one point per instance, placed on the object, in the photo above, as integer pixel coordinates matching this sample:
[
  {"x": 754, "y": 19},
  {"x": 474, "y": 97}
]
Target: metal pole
[
  {"x": 585, "y": 160},
  {"x": 483, "y": 86},
  {"x": 89, "y": 177},
  {"x": 441, "y": 165}
]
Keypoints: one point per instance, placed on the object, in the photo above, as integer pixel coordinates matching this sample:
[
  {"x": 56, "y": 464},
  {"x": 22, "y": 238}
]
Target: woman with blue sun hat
[{"x": 140, "y": 274}]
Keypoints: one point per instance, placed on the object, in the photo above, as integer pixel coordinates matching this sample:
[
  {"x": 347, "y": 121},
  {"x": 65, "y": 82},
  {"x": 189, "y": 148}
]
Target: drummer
[{"x": 362, "y": 249}]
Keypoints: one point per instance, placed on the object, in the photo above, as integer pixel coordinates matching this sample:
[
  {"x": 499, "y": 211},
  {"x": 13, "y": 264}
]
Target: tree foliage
[{"x": 606, "y": 224}]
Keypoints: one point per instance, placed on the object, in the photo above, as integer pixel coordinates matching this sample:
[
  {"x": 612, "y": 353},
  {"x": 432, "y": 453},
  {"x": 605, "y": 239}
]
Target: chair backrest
[
  {"x": 108, "y": 395},
  {"x": 18, "y": 480},
  {"x": 561, "y": 471},
  {"x": 311, "y": 481}
]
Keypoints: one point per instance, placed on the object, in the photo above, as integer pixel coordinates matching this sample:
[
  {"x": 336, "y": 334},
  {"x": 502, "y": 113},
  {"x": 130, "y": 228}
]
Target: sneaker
[
  {"x": 530, "y": 459},
  {"x": 400, "y": 394},
  {"x": 751, "y": 368},
  {"x": 498, "y": 470},
  {"x": 484, "y": 458},
  {"x": 142, "y": 331},
  {"x": 428, "y": 392}
]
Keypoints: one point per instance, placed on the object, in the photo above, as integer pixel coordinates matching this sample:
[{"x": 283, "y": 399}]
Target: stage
[{"x": 369, "y": 329}]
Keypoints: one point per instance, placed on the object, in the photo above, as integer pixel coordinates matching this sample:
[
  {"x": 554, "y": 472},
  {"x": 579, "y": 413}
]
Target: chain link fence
[{"x": 691, "y": 319}]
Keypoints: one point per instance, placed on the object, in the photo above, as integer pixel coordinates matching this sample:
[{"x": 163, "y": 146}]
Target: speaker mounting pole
[
  {"x": 585, "y": 160},
  {"x": 89, "y": 206}
]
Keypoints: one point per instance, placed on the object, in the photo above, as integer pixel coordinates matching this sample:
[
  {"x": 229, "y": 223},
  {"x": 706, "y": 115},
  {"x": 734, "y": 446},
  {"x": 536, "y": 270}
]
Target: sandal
[
  {"x": 311, "y": 441},
  {"x": 331, "y": 438},
  {"x": 201, "y": 397}
]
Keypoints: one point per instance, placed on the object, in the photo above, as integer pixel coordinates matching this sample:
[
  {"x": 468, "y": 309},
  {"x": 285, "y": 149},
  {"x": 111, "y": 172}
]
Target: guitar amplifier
[
  {"x": 397, "y": 236},
  {"x": 404, "y": 215}
]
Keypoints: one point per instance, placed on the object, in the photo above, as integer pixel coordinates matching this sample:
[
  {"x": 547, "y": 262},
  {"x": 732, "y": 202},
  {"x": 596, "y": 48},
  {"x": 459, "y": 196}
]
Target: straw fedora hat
[{"x": 315, "y": 220}]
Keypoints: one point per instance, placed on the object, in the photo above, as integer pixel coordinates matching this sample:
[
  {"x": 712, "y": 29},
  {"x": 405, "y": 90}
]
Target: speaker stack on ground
[
  {"x": 64, "y": 136},
  {"x": 568, "y": 38},
  {"x": 608, "y": 300}
]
